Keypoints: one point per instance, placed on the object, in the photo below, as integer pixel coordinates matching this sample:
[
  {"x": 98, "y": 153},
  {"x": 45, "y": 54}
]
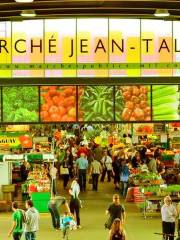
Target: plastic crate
[{"x": 40, "y": 200}]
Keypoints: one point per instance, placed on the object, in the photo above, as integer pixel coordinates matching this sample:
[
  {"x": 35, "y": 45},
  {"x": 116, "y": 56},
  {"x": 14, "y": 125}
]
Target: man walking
[
  {"x": 32, "y": 221},
  {"x": 95, "y": 172},
  {"x": 82, "y": 165},
  {"x": 18, "y": 219}
]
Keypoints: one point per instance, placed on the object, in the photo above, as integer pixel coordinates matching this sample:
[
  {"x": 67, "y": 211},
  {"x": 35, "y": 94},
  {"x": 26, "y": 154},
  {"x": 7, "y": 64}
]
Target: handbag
[
  {"x": 64, "y": 170},
  {"x": 90, "y": 181}
]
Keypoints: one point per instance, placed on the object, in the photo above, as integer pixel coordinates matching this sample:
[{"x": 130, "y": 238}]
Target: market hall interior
[{"x": 93, "y": 218}]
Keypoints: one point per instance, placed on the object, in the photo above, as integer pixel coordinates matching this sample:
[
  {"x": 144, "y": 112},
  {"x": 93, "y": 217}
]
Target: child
[{"x": 67, "y": 223}]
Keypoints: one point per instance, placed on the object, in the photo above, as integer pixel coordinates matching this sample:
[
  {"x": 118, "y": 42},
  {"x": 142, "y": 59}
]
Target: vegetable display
[
  {"x": 96, "y": 103},
  {"x": 20, "y": 104},
  {"x": 165, "y": 102},
  {"x": 132, "y": 103},
  {"x": 58, "y": 103}
]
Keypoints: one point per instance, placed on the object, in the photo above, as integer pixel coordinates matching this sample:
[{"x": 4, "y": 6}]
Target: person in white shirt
[
  {"x": 106, "y": 162},
  {"x": 53, "y": 174},
  {"x": 168, "y": 213},
  {"x": 32, "y": 221}
]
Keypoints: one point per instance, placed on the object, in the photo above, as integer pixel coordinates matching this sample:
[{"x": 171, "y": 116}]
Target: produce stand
[
  {"x": 153, "y": 197},
  {"x": 37, "y": 186}
]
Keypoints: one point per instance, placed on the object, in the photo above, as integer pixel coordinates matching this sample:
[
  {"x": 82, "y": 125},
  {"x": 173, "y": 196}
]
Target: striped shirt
[{"x": 96, "y": 167}]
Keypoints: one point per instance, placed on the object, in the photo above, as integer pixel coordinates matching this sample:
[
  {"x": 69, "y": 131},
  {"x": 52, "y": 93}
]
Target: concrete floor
[{"x": 93, "y": 218}]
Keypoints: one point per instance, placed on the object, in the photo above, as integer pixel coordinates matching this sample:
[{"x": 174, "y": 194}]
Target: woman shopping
[
  {"x": 75, "y": 203},
  {"x": 117, "y": 232}
]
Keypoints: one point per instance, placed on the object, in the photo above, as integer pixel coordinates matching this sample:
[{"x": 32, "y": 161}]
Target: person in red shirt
[{"x": 83, "y": 149}]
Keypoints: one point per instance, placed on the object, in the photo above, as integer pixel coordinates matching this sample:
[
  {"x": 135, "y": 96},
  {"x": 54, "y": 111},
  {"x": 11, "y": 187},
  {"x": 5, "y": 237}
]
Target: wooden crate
[{"x": 8, "y": 188}]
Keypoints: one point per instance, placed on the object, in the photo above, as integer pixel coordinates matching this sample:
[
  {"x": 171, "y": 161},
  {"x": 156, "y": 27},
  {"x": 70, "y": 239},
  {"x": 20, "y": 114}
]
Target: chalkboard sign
[{"x": 159, "y": 128}]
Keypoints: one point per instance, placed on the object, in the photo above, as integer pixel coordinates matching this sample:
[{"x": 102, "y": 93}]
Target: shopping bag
[{"x": 63, "y": 170}]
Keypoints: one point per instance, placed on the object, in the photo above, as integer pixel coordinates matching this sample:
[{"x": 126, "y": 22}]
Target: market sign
[
  {"x": 15, "y": 140},
  {"x": 77, "y": 47}
]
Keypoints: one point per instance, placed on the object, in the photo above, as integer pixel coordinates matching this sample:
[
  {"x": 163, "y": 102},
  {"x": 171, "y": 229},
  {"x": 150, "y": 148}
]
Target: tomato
[
  {"x": 72, "y": 112},
  {"x": 55, "y": 117},
  {"x": 45, "y": 107},
  {"x": 64, "y": 118},
  {"x": 68, "y": 91},
  {"x": 62, "y": 110},
  {"x": 53, "y": 109},
  {"x": 55, "y": 100},
  {"x": 70, "y": 119},
  {"x": 135, "y": 91},
  {"x": 139, "y": 114},
  {"x": 127, "y": 95},
  {"x": 143, "y": 104},
  {"x": 52, "y": 90},
  {"x": 44, "y": 114},
  {"x": 126, "y": 114},
  {"x": 129, "y": 105}
]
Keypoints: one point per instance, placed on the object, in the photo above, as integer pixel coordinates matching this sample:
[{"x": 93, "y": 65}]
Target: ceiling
[{"x": 10, "y": 10}]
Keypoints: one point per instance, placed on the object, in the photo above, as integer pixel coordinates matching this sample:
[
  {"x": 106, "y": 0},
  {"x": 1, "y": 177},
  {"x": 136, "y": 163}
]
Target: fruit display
[
  {"x": 37, "y": 181},
  {"x": 58, "y": 103},
  {"x": 20, "y": 104},
  {"x": 165, "y": 102},
  {"x": 146, "y": 179},
  {"x": 143, "y": 128},
  {"x": 96, "y": 103},
  {"x": 132, "y": 103}
]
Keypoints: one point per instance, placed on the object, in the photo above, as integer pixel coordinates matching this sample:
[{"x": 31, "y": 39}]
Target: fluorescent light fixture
[
  {"x": 24, "y": 1},
  {"x": 161, "y": 13},
  {"x": 28, "y": 13}
]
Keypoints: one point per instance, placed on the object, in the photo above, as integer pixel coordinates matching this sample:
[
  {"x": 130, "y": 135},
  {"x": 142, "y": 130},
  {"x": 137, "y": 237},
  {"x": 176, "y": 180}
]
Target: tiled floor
[{"x": 92, "y": 220}]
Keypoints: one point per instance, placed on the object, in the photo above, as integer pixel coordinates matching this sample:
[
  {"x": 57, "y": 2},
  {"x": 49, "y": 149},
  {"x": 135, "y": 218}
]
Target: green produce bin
[{"x": 40, "y": 200}]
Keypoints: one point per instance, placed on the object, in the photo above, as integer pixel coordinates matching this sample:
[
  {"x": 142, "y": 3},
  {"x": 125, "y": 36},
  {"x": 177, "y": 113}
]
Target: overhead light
[
  {"x": 161, "y": 13},
  {"x": 24, "y": 1},
  {"x": 28, "y": 13}
]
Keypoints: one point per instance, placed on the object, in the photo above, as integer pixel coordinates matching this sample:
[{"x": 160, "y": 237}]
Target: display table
[
  {"x": 154, "y": 203},
  {"x": 40, "y": 200}
]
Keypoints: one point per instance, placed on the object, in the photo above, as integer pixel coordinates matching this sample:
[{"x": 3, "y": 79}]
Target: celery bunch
[{"x": 165, "y": 101}]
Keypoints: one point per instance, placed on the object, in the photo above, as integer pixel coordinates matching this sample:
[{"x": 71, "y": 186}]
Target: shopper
[
  {"x": 117, "y": 232},
  {"x": 178, "y": 212},
  {"x": 115, "y": 210},
  {"x": 95, "y": 172},
  {"x": 106, "y": 162},
  {"x": 18, "y": 217},
  {"x": 116, "y": 170},
  {"x": 54, "y": 208},
  {"x": 75, "y": 203},
  {"x": 169, "y": 213},
  {"x": 160, "y": 166},
  {"x": 64, "y": 171},
  {"x": 53, "y": 174},
  {"x": 136, "y": 160},
  {"x": 152, "y": 166},
  {"x": 32, "y": 221},
  {"x": 124, "y": 178},
  {"x": 82, "y": 165},
  {"x": 67, "y": 223}
]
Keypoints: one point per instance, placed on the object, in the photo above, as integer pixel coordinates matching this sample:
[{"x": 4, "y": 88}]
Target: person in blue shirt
[
  {"x": 124, "y": 178},
  {"x": 65, "y": 224},
  {"x": 82, "y": 165}
]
